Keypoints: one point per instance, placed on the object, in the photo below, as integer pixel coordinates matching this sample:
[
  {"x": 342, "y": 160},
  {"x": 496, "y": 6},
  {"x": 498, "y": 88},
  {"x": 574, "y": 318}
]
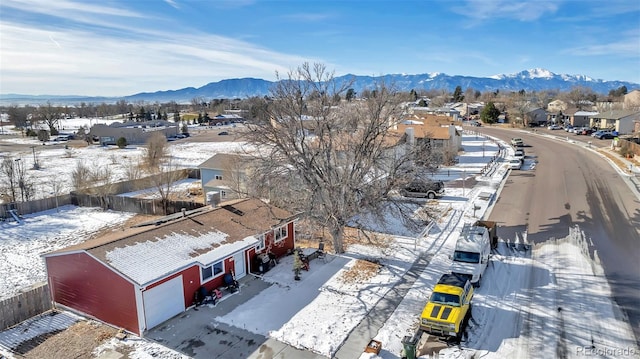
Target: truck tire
[{"x": 431, "y": 195}]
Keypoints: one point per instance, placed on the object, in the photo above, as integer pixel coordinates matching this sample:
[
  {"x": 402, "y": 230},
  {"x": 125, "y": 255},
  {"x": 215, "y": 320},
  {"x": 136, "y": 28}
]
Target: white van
[{"x": 471, "y": 256}]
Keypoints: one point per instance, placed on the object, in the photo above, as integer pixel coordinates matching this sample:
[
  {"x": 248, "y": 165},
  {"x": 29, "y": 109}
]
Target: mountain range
[{"x": 528, "y": 80}]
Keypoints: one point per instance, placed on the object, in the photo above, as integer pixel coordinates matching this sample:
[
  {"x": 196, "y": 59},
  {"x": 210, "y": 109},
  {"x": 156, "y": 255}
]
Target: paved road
[{"x": 571, "y": 185}]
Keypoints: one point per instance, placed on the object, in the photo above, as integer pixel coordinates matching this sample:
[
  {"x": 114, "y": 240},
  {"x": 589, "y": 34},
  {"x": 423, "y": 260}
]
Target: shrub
[{"x": 121, "y": 142}]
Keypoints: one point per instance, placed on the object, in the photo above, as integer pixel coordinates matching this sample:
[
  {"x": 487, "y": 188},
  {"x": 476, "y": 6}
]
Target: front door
[{"x": 239, "y": 267}]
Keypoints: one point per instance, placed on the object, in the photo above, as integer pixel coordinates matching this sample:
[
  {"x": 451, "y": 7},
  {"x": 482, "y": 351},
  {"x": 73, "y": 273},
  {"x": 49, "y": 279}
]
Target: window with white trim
[
  {"x": 212, "y": 271},
  {"x": 223, "y": 194},
  {"x": 261, "y": 243},
  {"x": 280, "y": 233}
]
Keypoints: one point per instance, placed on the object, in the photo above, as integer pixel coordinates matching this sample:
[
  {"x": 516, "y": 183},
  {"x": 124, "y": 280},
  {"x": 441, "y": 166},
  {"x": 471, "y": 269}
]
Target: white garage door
[{"x": 163, "y": 302}]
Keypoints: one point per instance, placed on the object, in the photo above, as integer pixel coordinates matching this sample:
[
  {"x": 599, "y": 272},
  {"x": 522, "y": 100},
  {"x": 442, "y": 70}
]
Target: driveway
[{"x": 196, "y": 332}]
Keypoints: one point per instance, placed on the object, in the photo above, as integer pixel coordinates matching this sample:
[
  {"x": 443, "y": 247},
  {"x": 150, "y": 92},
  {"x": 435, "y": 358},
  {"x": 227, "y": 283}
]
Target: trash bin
[{"x": 409, "y": 345}]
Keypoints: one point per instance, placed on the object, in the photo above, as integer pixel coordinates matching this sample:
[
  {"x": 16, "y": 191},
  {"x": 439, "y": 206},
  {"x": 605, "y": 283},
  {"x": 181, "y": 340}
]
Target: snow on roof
[
  {"x": 146, "y": 261},
  {"x": 585, "y": 113}
]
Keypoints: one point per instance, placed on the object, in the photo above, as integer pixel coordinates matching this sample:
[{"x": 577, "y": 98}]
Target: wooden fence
[
  {"x": 25, "y": 305},
  {"x": 132, "y": 205},
  {"x": 108, "y": 198},
  {"x": 34, "y": 206}
]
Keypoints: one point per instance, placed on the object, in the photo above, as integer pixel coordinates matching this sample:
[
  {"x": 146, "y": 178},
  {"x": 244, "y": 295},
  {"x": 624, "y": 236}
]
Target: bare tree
[
  {"x": 81, "y": 176},
  {"x": 133, "y": 169},
  {"x": 57, "y": 186},
  {"x": 25, "y": 182},
  {"x": 163, "y": 180},
  {"x": 9, "y": 178},
  {"x": 156, "y": 151},
  {"x": 337, "y": 160},
  {"x": 50, "y": 116}
]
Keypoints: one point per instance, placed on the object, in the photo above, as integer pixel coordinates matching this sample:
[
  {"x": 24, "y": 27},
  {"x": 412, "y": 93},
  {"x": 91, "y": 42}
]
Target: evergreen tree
[
  {"x": 457, "y": 94},
  {"x": 489, "y": 113},
  {"x": 351, "y": 94}
]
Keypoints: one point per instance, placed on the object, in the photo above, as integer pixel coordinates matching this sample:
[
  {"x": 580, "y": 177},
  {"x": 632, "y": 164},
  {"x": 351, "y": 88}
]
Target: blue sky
[{"x": 122, "y": 47}]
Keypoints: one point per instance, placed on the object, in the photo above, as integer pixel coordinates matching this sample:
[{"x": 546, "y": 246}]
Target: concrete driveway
[{"x": 197, "y": 334}]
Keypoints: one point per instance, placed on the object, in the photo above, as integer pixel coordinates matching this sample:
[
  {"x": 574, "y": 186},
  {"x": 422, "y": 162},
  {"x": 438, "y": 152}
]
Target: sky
[{"x": 120, "y": 48}]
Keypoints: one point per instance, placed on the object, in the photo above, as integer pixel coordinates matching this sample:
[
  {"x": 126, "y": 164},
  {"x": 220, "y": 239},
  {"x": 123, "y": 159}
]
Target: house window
[
  {"x": 223, "y": 194},
  {"x": 280, "y": 233},
  {"x": 261, "y": 244},
  {"x": 212, "y": 271},
  {"x": 218, "y": 177}
]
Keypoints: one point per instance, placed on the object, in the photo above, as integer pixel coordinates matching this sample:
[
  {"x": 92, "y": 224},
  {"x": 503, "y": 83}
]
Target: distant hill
[{"x": 528, "y": 80}]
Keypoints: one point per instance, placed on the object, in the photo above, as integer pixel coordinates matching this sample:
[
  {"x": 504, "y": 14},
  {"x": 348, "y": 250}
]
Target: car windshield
[
  {"x": 446, "y": 299},
  {"x": 467, "y": 257}
]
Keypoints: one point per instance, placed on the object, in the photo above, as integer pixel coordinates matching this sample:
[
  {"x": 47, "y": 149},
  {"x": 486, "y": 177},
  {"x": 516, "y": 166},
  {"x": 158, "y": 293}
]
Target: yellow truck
[{"x": 449, "y": 307}]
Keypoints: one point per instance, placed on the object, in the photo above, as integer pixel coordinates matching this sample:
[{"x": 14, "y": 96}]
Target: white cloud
[
  {"x": 494, "y": 9},
  {"x": 626, "y": 44},
  {"x": 122, "y": 60},
  {"x": 172, "y": 4}
]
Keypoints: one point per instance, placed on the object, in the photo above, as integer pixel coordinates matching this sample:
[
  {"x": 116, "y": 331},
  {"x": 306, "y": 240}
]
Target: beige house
[
  {"x": 556, "y": 106},
  {"x": 622, "y": 121},
  {"x": 632, "y": 100},
  {"x": 446, "y": 137}
]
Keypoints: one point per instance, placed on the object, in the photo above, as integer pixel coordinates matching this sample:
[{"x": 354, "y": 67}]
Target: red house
[{"x": 140, "y": 280}]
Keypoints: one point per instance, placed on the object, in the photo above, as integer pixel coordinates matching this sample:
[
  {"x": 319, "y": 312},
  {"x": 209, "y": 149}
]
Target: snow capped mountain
[{"x": 536, "y": 79}]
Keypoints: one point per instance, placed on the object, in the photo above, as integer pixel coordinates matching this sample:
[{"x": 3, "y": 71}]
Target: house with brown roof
[
  {"x": 140, "y": 279},
  {"x": 444, "y": 137}
]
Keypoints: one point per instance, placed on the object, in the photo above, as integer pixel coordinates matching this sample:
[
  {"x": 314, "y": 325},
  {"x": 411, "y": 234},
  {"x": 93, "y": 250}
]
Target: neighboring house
[
  {"x": 225, "y": 173},
  {"x": 447, "y": 137},
  {"x": 140, "y": 280},
  {"x": 581, "y": 118},
  {"x": 556, "y": 106},
  {"x": 225, "y": 119},
  {"x": 441, "y": 111},
  {"x": 622, "y": 121},
  {"x": 632, "y": 100},
  {"x": 535, "y": 117},
  {"x": 133, "y": 132}
]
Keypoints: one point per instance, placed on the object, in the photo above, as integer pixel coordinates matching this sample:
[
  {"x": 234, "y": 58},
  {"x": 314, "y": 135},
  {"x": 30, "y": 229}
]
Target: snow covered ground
[
  {"x": 56, "y": 163},
  {"x": 526, "y": 308}
]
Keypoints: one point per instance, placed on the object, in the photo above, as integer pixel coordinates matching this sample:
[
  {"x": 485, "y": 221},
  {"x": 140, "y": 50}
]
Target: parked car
[
  {"x": 223, "y": 133},
  {"x": 585, "y": 131},
  {"x": 554, "y": 127},
  {"x": 515, "y": 164},
  {"x": 568, "y": 128},
  {"x": 519, "y": 155},
  {"x": 421, "y": 189},
  {"x": 606, "y": 136},
  {"x": 517, "y": 142},
  {"x": 449, "y": 308},
  {"x": 471, "y": 256},
  {"x": 598, "y": 134}
]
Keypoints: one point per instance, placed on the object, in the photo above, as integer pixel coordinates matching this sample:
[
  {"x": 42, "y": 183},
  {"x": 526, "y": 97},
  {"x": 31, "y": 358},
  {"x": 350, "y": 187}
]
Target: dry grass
[
  {"x": 78, "y": 341},
  {"x": 618, "y": 160},
  {"x": 361, "y": 271}
]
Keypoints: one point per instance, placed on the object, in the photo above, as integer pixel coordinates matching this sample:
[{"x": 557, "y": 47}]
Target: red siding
[
  {"x": 280, "y": 249},
  {"x": 80, "y": 282}
]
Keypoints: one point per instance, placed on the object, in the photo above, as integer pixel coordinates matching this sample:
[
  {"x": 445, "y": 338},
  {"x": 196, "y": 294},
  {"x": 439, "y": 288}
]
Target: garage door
[{"x": 163, "y": 302}]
